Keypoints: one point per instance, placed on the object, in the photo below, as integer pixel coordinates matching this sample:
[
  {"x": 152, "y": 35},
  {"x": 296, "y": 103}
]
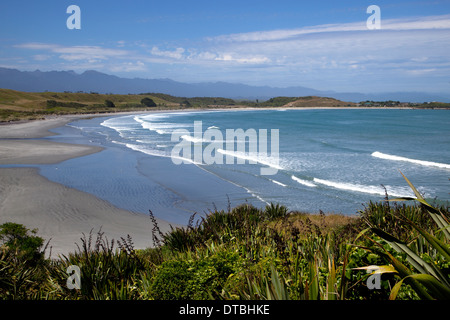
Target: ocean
[{"x": 334, "y": 160}]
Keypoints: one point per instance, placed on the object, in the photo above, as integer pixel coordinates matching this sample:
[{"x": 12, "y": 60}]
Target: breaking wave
[
  {"x": 378, "y": 190},
  {"x": 380, "y": 155},
  {"x": 303, "y": 182}
]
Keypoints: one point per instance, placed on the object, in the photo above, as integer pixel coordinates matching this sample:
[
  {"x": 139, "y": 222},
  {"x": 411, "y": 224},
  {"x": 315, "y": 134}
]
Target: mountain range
[{"x": 94, "y": 81}]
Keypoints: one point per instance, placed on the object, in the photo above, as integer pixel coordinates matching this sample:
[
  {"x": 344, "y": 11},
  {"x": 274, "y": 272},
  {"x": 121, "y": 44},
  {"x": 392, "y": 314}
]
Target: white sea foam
[
  {"x": 192, "y": 139},
  {"x": 260, "y": 199},
  {"x": 303, "y": 182},
  {"x": 278, "y": 182},
  {"x": 156, "y": 153},
  {"x": 378, "y": 190},
  {"x": 256, "y": 196},
  {"x": 200, "y": 140},
  {"x": 159, "y": 127},
  {"x": 380, "y": 155},
  {"x": 267, "y": 161},
  {"x": 144, "y": 149}
]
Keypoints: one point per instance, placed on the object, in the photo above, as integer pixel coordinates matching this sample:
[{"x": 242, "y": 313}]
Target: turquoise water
[{"x": 329, "y": 160}]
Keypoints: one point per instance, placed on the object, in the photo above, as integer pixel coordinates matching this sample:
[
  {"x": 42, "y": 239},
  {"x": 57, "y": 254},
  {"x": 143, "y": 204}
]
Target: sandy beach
[
  {"x": 60, "y": 214},
  {"x": 63, "y": 214}
]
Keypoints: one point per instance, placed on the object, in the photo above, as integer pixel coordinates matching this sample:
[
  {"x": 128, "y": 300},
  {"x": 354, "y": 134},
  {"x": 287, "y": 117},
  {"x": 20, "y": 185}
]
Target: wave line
[
  {"x": 278, "y": 183},
  {"x": 380, "y": 155},
  {"x": 249, "y": 158},
  {"x": 303, "y": 182},
  {"x": 378, "y": 190}
]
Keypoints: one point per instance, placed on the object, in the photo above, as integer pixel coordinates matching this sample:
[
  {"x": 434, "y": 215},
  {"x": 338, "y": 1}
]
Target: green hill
[{"x": 17, "y": 105}]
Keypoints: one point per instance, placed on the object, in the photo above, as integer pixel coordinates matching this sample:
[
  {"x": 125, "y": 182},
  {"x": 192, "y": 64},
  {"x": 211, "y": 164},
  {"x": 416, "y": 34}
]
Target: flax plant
[{"x": 425, "y": 277}]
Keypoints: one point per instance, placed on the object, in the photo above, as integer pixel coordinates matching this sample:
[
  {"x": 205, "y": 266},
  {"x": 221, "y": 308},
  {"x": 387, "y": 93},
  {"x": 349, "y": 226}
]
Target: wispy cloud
[
  {"x": 177, "y": 54},
  {"x": 434, "y": 22},
  {"x": 334, "y": 52},
  {"x": 71, "y": 53},
  {"x": 337, "y": 56}
]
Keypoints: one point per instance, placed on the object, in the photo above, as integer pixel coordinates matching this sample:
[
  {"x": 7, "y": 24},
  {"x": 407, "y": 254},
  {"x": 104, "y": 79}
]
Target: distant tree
[
  {"x": 51, "y": 103},
  {"x": 148, "y": 102},
  {"x": 16, "y": 237},
  {"x": 109, "y": 104}
]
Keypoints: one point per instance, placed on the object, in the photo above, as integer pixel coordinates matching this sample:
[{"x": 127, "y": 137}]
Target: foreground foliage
[{"x": 249, "y": 253}]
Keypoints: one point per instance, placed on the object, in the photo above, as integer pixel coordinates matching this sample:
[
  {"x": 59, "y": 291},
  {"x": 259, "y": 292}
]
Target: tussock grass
[{"x": 246, "y": 253}]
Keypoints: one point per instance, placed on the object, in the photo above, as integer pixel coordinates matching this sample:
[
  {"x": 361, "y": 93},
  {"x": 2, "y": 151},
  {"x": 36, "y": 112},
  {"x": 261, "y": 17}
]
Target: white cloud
[
  {"x": 326, "y": 54},
  {"x": 129, "y": 67},
  {"x": 37, "y": 46},
  {"x": 335, "y": 51},
  {"x": 71, "y": 53},
  {"x": 243, "y": 59},
  {"x": 419, "y": 72},
  {"x": 426, "y": 23},
  {"x": 41, "y": 57},
  {"x": 177, "y": 54}
]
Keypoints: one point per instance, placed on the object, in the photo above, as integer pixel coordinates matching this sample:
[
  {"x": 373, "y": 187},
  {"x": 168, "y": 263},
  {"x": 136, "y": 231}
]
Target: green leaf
[
  {"x": 331, "y": 281},
  {"x": 404, "y": 272},
  {"x": 435, "y": 288},
  {"x": 399, "y": 246},
  {"x": 402, "y": 199},
  {"x": 417, "y": 193},
  {"x": 378, "y": 269},
  {"x": 435, "y": 214},
  {"x": 441, "y": 247}
]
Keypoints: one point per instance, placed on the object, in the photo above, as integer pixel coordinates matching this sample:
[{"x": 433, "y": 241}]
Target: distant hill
[
  {"x": 312, "y": 101},
  {"x": 94, "y": 81},
  {"x": 19, "y": 105},
  {"x": 60, "y": 81}
]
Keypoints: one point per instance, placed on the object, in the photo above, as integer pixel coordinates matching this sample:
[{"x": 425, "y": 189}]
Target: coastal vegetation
[
  {"x": 17, "y": 105},
  {"x": 301, "y": 102},
  {"x": 390, "y": 250}
]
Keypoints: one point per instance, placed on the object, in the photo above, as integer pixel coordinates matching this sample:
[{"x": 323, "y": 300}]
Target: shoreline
[
  {"x": 72, "y": 117},
  {"x": 61, "y": 214}
]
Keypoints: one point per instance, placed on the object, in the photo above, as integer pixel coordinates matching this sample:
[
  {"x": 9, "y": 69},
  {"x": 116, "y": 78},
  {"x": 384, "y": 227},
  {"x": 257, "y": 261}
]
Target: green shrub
[
  {"x": 106, "y": 272},
  {"x": 197, "y": 279},
  {"x": 22, "y": 262},
  {"x": 148, "y": 102},
  {"x": 22, "y": 241},
  {"x": 171, "y": 281},
  {"x": 109, "y": 104}
]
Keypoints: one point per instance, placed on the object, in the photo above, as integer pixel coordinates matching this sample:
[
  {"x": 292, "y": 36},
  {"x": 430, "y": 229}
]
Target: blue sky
[{"x": 324, "y": 45}]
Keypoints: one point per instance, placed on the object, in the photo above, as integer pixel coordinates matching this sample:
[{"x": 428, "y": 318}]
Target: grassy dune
[
  {"x": 38, "y": 100},
  {"x": 17, "y": 105}
]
